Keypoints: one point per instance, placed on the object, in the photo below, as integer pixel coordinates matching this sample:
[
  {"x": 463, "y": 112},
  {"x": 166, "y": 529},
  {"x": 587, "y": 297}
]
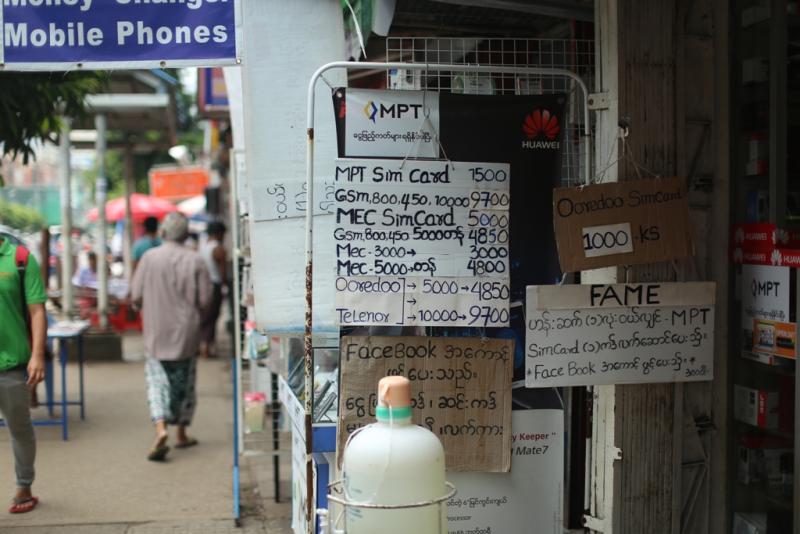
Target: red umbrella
[{"x": 142, "y": 206}]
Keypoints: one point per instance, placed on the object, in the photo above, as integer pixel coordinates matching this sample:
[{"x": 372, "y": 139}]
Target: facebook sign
[{"x": 100, "y": 34}]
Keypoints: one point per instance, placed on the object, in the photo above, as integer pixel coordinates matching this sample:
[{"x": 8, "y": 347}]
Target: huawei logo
[
  {"x": 541, "y": 121},
  {"x": 776, "y": 257}
]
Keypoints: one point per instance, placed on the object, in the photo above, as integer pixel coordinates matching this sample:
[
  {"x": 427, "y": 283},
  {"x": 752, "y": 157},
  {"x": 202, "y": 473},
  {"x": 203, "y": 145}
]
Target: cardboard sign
[
  {"x": 623, "y": 223},
  {"x": 580, "y": 335},
  {"x": 416, "y": 242},
  {"x": 531, "y": 494},
  {"x": 460, "y": 388}
]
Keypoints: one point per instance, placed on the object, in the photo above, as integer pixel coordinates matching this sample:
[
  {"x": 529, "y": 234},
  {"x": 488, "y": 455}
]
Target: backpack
[{"x": 21, "y": 261}]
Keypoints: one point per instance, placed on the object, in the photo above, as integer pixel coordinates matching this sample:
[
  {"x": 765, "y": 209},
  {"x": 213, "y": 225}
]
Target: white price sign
[
  {"x": 531, "y": 494},
  {"x": 411, "y": 301},
  {"x": 579, "y": 335},
  {"x": 413, "y": 222},
  {"x": 607, "y": 240}
]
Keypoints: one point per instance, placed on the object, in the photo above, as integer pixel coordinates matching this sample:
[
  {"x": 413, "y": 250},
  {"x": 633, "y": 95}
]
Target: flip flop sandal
[
  {"x": 191, "y": 442},
  {"x": 158, "y": 454},
  {"x": 23, "y": 506}
]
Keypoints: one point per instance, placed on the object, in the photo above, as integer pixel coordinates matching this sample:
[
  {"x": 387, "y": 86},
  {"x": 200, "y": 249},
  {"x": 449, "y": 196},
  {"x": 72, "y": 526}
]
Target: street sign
[{"x": 101, "y": 34}]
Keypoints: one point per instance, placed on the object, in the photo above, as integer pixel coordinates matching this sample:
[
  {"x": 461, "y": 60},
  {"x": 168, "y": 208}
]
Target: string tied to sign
[
  {"x": 426, "y": 126},
  {"x": 623, "y": 146}
]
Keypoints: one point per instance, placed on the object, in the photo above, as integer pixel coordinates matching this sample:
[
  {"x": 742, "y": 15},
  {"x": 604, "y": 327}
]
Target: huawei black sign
[{"x": 541, "y": 130}]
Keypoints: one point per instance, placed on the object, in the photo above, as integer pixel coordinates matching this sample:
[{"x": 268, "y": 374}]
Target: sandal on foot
[
  {"x": 190, "y": 442},
  {"x": 23, "y": 506},
  {"x": 158, "y": 454}
]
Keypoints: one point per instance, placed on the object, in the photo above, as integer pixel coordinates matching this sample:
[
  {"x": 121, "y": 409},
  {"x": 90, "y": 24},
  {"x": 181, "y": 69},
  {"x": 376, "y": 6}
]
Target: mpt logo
[
  {"x": 375, "y": 111},
  {"x": 541, "y": 128}
]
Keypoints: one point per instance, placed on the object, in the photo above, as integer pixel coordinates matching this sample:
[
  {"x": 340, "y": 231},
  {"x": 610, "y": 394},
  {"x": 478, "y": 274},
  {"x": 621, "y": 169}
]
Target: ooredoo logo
[{"x": 541, "y": 129}]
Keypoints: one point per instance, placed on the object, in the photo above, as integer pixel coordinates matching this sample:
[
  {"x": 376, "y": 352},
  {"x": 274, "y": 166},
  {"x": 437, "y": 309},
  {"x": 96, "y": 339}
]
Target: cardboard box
[
  {"x": 757, "y": 407},
  {"x": 757, "y": 147},
  {"x": 755, "y": 14},
  {"x": 756, "y": 167},
  {"x": 773, "y": 337},
  {"x": 764, "y": 459},
  {"x": 755, "y": 70},
  {"x": 748, "y": 523}
]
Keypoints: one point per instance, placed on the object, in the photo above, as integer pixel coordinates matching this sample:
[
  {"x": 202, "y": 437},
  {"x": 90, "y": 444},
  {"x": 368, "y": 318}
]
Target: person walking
[
  {"x": 149, "y": 240},
  {"x": 173, "y": 289},
  {"x": 213, "y": 253},
  {"x": 23, "y": 334}
]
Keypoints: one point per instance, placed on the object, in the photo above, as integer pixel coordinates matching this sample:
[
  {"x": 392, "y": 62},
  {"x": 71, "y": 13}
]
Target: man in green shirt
[{"x": 21, "y": 363}]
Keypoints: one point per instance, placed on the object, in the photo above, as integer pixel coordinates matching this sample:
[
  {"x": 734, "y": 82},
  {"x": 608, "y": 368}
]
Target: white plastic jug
[{"x": 394, "y": 462}]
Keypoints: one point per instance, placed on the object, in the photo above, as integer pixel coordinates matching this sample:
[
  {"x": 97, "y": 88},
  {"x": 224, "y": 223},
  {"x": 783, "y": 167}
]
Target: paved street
[{"x": 100, "y": 482}]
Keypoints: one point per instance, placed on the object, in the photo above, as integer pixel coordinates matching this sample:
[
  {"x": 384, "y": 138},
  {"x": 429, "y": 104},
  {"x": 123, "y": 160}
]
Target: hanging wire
[
  {"x": 358, "y": 28},
  {"x": 624, "y": 146}
]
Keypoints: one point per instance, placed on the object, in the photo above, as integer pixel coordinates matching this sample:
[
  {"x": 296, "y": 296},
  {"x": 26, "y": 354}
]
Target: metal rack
[{"x": 577, "y": 87}]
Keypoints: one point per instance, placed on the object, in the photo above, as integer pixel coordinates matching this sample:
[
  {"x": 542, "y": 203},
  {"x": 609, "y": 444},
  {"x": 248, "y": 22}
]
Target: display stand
[{"x": 302, "y": 415}]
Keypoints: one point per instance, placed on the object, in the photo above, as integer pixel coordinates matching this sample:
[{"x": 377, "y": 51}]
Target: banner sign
[
  {"x": 391, "y": 124},
  {"x": 621, "y": 223},
  {"x": 422, "y": 242},
  {"x": 531, "y": 494},
  {"x": 766, "y": 293},
  {"x": 460, "y": 388},
  {"x": 580, "y": 335},
  {"x": 178, "y": 183},
  {"x": 527, "y": 133},
  {"x": 768, "y": 302},
  {"x": 105, "y": 34}
]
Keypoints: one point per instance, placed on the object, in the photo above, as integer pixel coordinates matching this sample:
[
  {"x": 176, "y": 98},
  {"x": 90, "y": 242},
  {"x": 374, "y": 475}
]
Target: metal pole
[
  {"x": 237, "y": 293},
  {"x": 309, "y": 242},
  {"x": 65, "y": 163},
  {"x": 100, "y": 200},
  {"x": 127, "y": 236}
]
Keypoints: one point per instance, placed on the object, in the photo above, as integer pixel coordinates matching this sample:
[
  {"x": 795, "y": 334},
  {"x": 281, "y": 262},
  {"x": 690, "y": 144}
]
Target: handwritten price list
[
  {"x": 446, "y": 222},
  {"x": 461, "y": 391},
  {"x": 619, "y": 334}
]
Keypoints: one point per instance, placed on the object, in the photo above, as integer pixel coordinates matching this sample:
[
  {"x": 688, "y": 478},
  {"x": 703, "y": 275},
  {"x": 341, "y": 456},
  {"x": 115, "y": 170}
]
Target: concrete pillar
[
  {"x": 65, "y": 164},
  {"x": 127, "y": 238},
  {"x": 101, "y": 190}
]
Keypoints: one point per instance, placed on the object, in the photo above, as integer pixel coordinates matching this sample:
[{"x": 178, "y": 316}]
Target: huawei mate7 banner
[
  {"x": 104, "y": 34},
  {"x": 526, "y": 132}
]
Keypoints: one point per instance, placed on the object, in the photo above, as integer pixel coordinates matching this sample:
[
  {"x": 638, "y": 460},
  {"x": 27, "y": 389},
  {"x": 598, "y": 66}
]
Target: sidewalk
[{"x": 100, "y": 482}]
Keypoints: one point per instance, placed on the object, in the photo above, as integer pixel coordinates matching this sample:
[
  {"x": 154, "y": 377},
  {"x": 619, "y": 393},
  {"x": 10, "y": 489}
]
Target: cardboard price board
[
  {"x": 623, "y": 223},
  {"x": 461, "y": 391},
  {"x": 580, "y": 335}
]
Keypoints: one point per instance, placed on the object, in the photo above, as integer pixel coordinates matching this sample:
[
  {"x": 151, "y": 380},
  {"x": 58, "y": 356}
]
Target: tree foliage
[
  {"x": 31, "y": 105},
  {"x": 20, "y": 217}
]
